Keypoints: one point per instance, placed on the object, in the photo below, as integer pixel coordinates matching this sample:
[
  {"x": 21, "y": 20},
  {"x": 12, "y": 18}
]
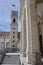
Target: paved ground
[
  {"x": 10, "y": 64},
  {"x": 11, "y": 60}
]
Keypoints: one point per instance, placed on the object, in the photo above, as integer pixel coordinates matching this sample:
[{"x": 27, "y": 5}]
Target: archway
[{"x": 39, "y": 10}]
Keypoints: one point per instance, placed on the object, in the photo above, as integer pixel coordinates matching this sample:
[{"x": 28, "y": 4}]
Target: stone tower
[{"x": 14, "y": 29}]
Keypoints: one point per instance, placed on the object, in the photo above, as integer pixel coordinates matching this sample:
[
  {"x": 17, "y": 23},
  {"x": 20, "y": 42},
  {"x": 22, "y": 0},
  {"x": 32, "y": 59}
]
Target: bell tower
[{"x": 14, "y": 28}]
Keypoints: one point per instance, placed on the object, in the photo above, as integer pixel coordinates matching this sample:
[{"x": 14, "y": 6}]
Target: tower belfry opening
[{"x": 14, "y": 20}]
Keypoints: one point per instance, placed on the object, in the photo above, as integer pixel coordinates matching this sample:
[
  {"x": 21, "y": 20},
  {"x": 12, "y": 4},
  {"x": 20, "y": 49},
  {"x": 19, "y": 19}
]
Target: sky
[{"x": 5, "y": 14}]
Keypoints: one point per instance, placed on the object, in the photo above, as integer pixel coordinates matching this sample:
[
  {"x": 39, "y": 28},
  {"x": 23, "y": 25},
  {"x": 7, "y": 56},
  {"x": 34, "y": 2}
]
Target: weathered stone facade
[{"x": 30, "y": 44}]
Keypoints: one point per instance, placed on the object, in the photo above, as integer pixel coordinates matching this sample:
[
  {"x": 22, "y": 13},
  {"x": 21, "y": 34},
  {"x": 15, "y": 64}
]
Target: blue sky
[{"x": 5, "y": 12}]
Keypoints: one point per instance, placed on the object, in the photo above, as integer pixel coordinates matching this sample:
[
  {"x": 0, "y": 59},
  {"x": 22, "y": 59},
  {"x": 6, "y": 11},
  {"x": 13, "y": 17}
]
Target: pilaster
[{"x": 32, "y": 31}]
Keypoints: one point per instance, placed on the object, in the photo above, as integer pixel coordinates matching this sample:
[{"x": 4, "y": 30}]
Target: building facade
[
  {"x": 4, "y": 40},
  {"x": 31, "y": 31}
]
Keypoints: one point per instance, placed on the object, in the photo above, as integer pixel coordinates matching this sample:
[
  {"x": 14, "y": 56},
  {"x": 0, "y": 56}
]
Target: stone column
[
  {"x": 24, "y": 33},
  {"x": 23, "y": 37},
  {"x": 42, "y": 34},
  {"x": 21, "y": 33},
  {"x": 32, "y": 31}
]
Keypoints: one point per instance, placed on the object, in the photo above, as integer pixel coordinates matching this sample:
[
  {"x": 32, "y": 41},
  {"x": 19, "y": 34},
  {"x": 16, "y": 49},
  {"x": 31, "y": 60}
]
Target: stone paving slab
[{"x": 11, "y": 59}]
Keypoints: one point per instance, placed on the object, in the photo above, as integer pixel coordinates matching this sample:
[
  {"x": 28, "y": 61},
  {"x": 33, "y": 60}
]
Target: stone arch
[
  {"x": 39, "y": 1},
  {"x": 40, "y": 24}
]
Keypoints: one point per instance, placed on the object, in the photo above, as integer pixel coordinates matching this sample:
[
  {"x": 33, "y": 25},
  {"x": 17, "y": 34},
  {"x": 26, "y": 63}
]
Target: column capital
[{"x": 31, "y": 3}]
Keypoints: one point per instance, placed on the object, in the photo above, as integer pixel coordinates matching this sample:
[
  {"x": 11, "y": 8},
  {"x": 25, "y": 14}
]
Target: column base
[{"x": 23, "y": 60}]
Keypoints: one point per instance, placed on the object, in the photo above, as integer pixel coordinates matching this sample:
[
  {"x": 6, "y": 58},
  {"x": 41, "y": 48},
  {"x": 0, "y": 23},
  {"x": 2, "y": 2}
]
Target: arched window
[{"x": 13, "y": 41}]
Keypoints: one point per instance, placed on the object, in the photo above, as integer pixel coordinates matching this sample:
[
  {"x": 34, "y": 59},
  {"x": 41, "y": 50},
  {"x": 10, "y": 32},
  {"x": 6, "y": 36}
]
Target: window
[
  {"x": 14, "y": 20},
  {"x": 13, "y": 32},
  {"x": 13, "y": 41},
  {"x": 40, "y": 39},
  {"x": 13, "y": 36},
  {"x": 13, "y": 28}
]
